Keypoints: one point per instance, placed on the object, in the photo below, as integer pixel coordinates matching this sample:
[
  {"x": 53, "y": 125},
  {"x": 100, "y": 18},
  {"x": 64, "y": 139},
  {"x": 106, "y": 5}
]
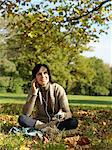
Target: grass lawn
[
  {"x": 12, "y": 98},
  {"x": 73, "y": 99},
  {"x": 94, "y": 131},
  {"x": 90, "y": 100}
]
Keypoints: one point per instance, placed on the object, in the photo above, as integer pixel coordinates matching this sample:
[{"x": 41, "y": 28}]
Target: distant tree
[
  {"x": 102, "y": 79},
  {"x": 83, "y": 75},
  {"x": 110, "y": 88},
  {"x": 9, "y": 77}
]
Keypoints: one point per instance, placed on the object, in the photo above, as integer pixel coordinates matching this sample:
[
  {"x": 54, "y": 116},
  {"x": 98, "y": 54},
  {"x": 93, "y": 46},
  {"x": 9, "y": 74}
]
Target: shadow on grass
[{"x": 90, "y": 102}]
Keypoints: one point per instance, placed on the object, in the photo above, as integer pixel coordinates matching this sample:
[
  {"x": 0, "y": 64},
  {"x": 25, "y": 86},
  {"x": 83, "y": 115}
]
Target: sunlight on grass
[
  {"x": 12, "y": 98},
  {"x": 82, "y": 97},
  {"x": 73, "y": 99}
]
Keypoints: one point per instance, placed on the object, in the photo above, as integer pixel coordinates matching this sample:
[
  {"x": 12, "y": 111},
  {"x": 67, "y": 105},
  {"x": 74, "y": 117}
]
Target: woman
[{"x": 50, "y": 102}]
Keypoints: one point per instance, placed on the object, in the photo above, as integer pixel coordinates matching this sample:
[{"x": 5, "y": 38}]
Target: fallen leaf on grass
[
  {"x": 82, "y": 112},
  {"x": 1, "y": 136},
  {"x": 104, "y": 123},
  {"x": 36, "y": 140},
  {"x": 27, "y": 144},
  {"x": 83, "y": 141},
  {"x": 46, "y": 140},
  {"x": 8, "y": 118},
  {"x": 71, "y": 141},
  {"x": 23, "y": 147}
]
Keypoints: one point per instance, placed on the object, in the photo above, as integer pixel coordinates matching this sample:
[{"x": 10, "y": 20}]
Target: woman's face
[{"x": 42, "y": 76}]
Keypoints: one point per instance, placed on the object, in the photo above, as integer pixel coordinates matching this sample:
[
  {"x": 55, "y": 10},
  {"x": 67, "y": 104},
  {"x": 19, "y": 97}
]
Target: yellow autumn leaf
[
  {"x": 31, "y": 34},
  {"x": 30, "y": 14},
  {"x": 77, "y": 11},
  {"x": 23, "y": 147},
  {"x": 94, "y": 30},
  {"x": 110, "y": 17}
]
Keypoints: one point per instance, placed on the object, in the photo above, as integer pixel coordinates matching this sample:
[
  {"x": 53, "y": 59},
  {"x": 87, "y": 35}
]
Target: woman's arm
[
  {"x": 30, "y": 103},
  {"x": 63, "y": 103},
  {"x": 28, "y": 107}
]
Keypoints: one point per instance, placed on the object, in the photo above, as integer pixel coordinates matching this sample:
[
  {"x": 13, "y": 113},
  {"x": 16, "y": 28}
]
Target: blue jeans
[{"x": 67, "y": 124}]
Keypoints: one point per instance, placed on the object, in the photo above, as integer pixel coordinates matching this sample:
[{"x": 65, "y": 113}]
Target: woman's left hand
[{"x": 60, "y": 115}]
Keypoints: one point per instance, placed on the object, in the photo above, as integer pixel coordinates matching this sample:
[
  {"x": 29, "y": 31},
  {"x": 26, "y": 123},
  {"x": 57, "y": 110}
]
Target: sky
[{"x": 103, "y": 48}]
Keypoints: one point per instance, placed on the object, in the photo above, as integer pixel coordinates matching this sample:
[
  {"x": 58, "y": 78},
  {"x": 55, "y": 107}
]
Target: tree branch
[
  {"x": 1, "y": 3},
  {"x": 89, "y": 12},
  {"x": 77, "y": 18}
]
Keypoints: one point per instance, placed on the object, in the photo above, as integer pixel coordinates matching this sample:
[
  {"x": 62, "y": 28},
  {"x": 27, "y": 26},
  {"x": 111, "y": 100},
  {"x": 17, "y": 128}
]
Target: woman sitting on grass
[{"x": 50, "y": 101}]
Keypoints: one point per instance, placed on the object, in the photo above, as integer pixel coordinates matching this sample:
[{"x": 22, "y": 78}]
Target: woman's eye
[
  {"x": 39, "y": 74},
  {"x": 45, "y": 73}
]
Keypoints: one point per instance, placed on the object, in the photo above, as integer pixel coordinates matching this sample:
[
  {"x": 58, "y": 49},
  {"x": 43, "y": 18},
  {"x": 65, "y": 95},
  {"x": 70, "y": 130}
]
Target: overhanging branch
[{"x": 89, "y": 12}]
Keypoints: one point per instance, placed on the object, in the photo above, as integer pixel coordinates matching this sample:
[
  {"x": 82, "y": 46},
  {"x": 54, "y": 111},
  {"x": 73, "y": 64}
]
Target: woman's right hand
[{"x": 34, "y": 87}]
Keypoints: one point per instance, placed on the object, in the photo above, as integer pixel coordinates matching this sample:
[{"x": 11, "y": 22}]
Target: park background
[{"x": 59, "y": 33}]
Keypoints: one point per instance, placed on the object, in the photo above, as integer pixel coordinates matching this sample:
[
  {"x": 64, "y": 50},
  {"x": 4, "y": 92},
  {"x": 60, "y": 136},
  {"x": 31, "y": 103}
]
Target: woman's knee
[
  {"x": 26, "y": 121},
  {"x": 74, "y": 122},
  {"x": 70, "y": 123},
  {"x": 22, "y": 119}
]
